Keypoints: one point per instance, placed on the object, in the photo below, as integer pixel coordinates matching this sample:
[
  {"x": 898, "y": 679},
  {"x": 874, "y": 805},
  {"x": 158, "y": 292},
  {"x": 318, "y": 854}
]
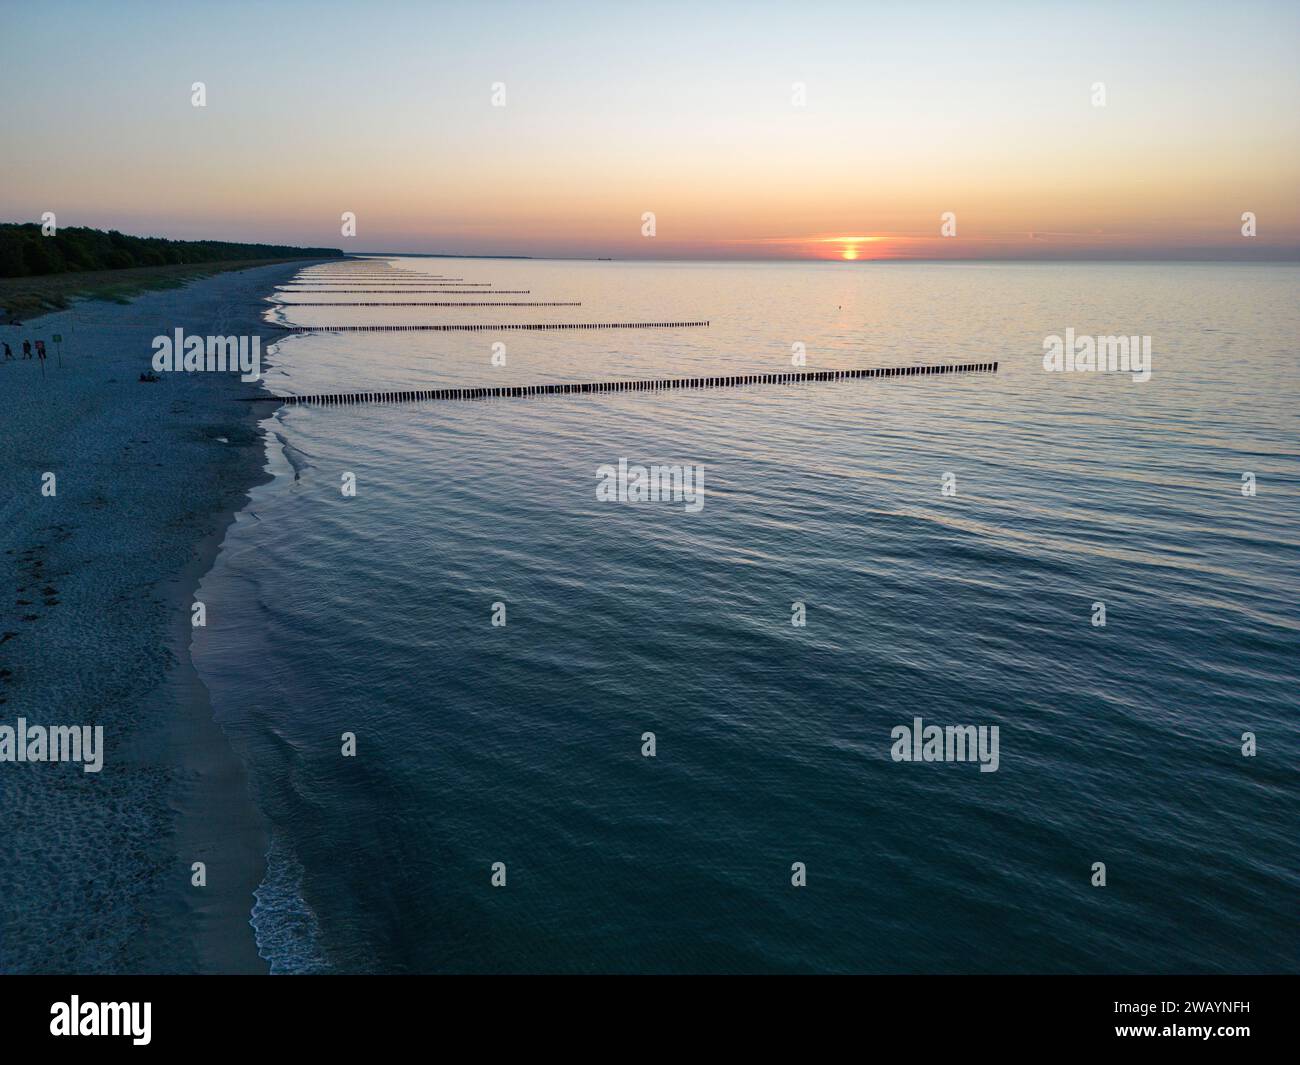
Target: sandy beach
[{"x": 99, "y": 578}]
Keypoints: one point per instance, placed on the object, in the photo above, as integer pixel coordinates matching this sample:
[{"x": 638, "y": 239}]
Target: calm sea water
[{"x": 522, "y": 744}]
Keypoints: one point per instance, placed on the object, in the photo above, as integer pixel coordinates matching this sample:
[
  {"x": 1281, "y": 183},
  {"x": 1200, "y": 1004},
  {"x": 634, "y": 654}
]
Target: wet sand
[{"x": 96, "y": 589}]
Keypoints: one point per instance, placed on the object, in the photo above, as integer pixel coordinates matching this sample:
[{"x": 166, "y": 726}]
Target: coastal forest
[{"x": 26, "y": 252}]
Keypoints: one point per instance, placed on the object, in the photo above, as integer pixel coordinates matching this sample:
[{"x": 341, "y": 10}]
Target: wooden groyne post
[{"x": 656, "y": 384}]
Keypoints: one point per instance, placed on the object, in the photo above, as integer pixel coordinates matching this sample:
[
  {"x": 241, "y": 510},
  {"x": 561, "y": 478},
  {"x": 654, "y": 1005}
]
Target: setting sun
[{"x": 844, "y": 248}]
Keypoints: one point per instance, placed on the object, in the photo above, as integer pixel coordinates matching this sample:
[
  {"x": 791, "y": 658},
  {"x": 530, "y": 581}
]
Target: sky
[{"x": 847, "y": 131}]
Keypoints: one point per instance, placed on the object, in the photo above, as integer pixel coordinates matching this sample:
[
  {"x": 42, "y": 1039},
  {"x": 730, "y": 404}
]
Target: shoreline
[
  {"x": 146, "y": 491},
  {"x": 31, "y": 298}
]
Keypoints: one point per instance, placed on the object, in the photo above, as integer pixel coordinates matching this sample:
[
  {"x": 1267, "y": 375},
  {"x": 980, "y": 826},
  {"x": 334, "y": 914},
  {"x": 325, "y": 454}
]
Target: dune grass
[{"x": 23, "y": 298}]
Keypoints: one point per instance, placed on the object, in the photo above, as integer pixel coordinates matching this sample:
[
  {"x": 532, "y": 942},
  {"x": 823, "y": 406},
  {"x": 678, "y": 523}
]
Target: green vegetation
[
  {"x": 24, "y": 252},
  {"x": 40, "y": 274},
  {"x": 22, "y": 298}
]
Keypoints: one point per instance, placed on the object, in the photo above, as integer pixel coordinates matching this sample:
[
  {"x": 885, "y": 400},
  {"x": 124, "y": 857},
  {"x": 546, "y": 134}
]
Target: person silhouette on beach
[
  {"x": 8, "y": 352},
  {"x": 27, "y": 349},
  {"x": 40, "y": 350}
]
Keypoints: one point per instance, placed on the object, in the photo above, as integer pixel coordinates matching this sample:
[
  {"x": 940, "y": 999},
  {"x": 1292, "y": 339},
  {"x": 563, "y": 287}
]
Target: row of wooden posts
[{"x": 655, "y": 384}]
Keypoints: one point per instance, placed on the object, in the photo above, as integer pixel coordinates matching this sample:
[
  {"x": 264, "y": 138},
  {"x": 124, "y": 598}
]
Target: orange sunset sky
[{"x": 833, "y": 131}]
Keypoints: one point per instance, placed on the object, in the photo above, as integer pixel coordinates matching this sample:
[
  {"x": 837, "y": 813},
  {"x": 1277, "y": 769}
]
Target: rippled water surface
[{"x": 522, "y": 744}]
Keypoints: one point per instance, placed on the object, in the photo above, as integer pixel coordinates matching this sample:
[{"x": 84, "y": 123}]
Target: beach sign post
[{"x": 58, "y": 346}]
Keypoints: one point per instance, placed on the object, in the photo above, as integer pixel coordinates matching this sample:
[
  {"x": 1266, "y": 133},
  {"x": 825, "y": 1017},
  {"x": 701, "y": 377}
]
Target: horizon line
[{"x": 1293, "y": 257}]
